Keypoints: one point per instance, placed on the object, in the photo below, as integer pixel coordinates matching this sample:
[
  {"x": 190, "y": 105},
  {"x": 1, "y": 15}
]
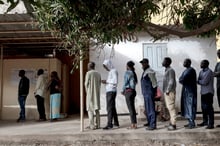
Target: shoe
[
  {"x": 20, "y": 120},
  {"x": 53, "y": 120},
  {"x": 150, "y": 128},
  {"x": 90, "y": 128},
  {"x": 187, "y": 125},
  {"x": 202, "y": 124},
  {"x": 133, "y": 126},
  {"x": 190, "y": 127},
  {"x": 107, "y": 128},
  {"x": 146, "y": 124},
  {"x": 116, "y": 126},
  {"x": 171, "y": 127},
  {"x": 41, "y": 120},
  {"x": 210, "y": 127},
  {"x": 218, "y": 126}
]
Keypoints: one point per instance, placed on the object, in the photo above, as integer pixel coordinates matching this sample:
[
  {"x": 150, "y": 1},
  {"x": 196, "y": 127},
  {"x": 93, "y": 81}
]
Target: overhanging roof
[{"x": 19, "y": 35}]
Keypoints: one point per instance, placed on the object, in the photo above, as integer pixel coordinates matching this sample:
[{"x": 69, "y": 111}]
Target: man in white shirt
[
  {"x": 40, "y": 94},
  {"x": 111, "y": 92}
]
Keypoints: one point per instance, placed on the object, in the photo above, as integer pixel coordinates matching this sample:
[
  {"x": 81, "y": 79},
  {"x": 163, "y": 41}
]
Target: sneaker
[
  {"x": 171, "y": 127},
  {"x": 202, "y": 124},
  {"x": 107, "y": 128}
]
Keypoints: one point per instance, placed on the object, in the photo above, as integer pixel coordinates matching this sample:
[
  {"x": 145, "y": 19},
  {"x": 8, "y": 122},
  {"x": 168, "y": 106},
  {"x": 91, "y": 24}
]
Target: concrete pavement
[{"x": 66, "y": 132}]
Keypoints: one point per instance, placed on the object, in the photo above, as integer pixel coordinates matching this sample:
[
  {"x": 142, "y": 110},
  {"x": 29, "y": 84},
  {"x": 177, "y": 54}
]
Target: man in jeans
[
  {"x": 23, "y": 90},
  {"x": 111, "y": 92},
  {"x": 169, "y": 89}
]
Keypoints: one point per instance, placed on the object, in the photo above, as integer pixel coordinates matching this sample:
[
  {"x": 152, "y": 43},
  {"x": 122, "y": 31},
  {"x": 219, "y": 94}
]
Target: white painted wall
[{"x": 178, "y": 49}]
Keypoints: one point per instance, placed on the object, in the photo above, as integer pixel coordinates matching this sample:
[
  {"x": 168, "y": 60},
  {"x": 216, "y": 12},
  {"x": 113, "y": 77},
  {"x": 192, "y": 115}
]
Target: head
[
  {"x": 21, "y": 73},
  {"x": 218, "y": 53},
  {"x": 130, "y": 65},
  {"x": 40, "y": 72},
  {"x": 145, "y": 63},
  {"x": 166, "y": 62},
  {"x": 91, "y": 66},
  {"x": 204, "y": 64},
  {"x": 54, "y": 75},
  {"x": 187, "y": 63},
  {"x": 107, "y": 64}
]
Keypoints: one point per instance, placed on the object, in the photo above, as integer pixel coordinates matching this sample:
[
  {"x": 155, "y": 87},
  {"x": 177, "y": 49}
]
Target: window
[{"x": 155, "y": 52}]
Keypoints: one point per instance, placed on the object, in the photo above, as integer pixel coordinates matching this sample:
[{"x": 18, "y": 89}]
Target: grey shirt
[
  {"x": 169, "y": 80},
  {"x": 205, "y": 79}
]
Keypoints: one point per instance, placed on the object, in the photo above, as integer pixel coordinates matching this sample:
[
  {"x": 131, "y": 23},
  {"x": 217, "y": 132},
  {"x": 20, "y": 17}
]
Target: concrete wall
[
  {"x": 178, "y": 49},
  {"x": 10, "y": 106}
]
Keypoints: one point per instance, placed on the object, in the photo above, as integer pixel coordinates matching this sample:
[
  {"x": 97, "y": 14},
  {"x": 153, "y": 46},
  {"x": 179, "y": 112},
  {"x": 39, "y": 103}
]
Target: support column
[
  {"x": 1, "y": 82},
  {"x": 81, "y": 97}
]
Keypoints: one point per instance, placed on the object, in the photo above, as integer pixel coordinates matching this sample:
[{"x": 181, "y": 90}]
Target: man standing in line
[
  {"x": 111, "y": 92},
  {"x": 217, "y": 75},
  {"x": 40, "y": 94},
  {"x": 149, "y": 87},
  {"x": 23, "y": 90},
  {"x": 92, "y": 87},
  {"x": 169, "y": 89},
  {"x": 189, "y": 94},
  {"x": 205, "y": 79}
]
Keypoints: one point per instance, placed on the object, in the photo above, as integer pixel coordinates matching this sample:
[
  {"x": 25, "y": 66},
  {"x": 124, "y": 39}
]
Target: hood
[{"x": 108, "y": 64}]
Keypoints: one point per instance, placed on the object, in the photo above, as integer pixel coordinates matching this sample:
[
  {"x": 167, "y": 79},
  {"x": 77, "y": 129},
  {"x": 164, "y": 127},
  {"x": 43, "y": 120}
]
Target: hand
[{"x": 104, "y": 81}]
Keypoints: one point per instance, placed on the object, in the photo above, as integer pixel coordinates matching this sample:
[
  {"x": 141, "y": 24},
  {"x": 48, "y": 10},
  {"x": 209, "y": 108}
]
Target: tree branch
[{"x": 183, "y": 33}]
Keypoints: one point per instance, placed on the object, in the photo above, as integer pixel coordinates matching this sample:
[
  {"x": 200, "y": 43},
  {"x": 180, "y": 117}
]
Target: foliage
[{"x": 80, "y": 23}]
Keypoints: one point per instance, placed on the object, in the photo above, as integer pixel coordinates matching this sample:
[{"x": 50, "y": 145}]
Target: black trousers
[
  {"x": 111, "y": 110},
  {"x": 40, "y": 107},
  {"x": 130, "y": 100},
  {"x": 207, "y": 108}
]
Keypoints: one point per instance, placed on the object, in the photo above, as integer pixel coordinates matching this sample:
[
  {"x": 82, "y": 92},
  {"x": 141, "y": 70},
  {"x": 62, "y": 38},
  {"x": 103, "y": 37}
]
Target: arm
[
  {"x": 86, "y": 82},
  {"x": 206, "y": 78},
  {"x": 171, "y": 82}
]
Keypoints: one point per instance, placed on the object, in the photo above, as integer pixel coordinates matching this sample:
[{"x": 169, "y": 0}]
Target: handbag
[{"x": 158, "y": 94}]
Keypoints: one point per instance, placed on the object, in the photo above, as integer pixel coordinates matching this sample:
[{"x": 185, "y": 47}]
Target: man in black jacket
[{"x": 23, "y": 90}]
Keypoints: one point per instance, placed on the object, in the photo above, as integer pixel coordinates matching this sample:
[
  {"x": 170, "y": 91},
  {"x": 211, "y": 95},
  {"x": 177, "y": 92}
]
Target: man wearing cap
[{"x": 148, "y": 87}]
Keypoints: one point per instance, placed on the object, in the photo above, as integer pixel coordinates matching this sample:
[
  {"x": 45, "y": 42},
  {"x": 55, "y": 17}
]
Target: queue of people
[
  {"x": 149, "y": 88},
  {"x": 53, "y": 86},
  {"x": 148, "y": 81}
]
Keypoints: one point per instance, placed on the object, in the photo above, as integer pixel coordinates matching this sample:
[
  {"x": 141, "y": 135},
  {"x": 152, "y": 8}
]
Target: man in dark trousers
[
  {"x": 23, "y": 90},
  {"x": 188, "y": 80},
  {"x": 40, "y": 93},
  {"x": 217, "y": 75},
  {"x": 205, "y": 80}
]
